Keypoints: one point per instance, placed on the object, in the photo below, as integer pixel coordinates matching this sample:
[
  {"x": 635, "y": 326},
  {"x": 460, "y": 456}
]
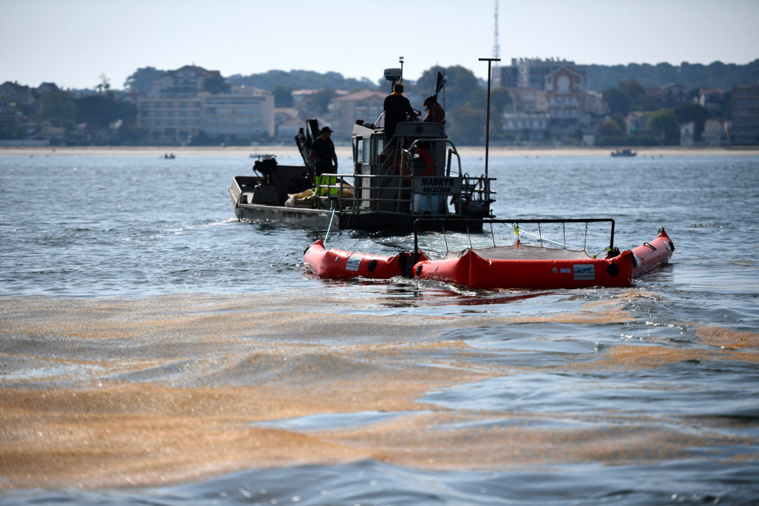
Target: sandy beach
[{"x": 344, "y": 151}]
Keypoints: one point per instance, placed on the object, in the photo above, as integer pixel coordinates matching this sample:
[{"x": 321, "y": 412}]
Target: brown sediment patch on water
[
  {"x": 727, "y": 338},
  {"x": 488, "y": 441},
  {"x": 119, "y": 392},
  {"x": 652, "y": 357},
  {"x": 125, "y": 434},
  {"x": 601, "y": 311}
]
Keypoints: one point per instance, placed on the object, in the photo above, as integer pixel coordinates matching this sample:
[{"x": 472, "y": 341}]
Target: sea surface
[{"x": 154, "y": 350}]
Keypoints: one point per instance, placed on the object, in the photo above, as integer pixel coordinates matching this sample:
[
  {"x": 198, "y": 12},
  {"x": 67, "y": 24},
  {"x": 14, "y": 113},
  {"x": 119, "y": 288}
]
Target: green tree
[
  {"x": 500, "y": 99},
  {"x": 319, "y": 101},
  {"x": 693, "y": 112},
  {"x": 102, "y": 111},
  {"x": 666, "y": 124},
  {"x": 468, "y": 128},
  {"x": 216, "y": 85},
  {"x": 105, "y": 84},
  {"x": 461, "y": 87},
  {"x": 141, "y": 80},
  {"x": 57, "y": 107},
  {"x": 610, "y": 128},
  {"x": 283, "y": 96},
  {"x": 632, "y": 89},
  {"x": 617, "y": 100}
]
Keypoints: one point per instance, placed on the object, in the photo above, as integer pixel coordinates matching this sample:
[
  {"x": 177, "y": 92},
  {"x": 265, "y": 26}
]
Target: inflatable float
[
  {"x": 520, "y": 266},
  {"x": 512, "y": 266},
  {"x": 333, "y": 263}
]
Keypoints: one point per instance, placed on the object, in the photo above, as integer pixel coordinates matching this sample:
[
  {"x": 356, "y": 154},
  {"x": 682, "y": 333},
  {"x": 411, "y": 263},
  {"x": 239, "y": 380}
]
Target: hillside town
[{"x": 543, "y": 102}]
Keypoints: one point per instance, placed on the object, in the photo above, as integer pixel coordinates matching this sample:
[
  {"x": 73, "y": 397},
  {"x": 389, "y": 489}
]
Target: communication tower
[{"x": 496, "y": 45}]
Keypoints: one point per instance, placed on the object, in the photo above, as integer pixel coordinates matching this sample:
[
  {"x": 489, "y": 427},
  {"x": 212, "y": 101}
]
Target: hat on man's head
[
  {"x": 430, "y": 100},
  {"x": 326, "y": 129}
]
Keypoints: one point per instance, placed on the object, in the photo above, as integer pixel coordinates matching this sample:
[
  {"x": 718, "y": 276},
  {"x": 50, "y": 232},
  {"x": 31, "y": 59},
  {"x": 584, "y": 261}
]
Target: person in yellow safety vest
[{"x": 323, "y": 153}]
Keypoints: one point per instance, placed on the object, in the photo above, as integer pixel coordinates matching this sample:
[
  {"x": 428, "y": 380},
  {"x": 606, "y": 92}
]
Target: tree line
[{"x": 113, "y": 120}]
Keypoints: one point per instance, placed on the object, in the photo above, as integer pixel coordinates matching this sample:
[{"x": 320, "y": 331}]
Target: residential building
[
  {"x": 177, "y": 110},
  {"x": 670, "y": 95},
  {"x": 716, "y": 132},
  {"x": 365, "y": 105},
  {"x": 530, "y": 72},
  {"x": 714, "y": 100},
  {"x": 527, "y": 99},
  {"x": 16, "y": 93},
  {"x": 506, "y": 76},
  {"x": 637, "y": 124},
  {"x": 238, "y": 116},
  {"x": 185, "y": 82},
  {"x": 525, "y": 126},
  {"x": 745, "y": 115},
  {"x": 170, "y": 120},
  {"x": 287, "y": 123},
  {"x": 572, "y": 109},
  {"x": 688, "y": 134},
  {"x": 556, "y": 88}
]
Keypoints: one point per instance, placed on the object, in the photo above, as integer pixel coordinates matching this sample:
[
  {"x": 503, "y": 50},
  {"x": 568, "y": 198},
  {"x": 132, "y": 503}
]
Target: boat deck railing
[
  {"x": 394, "y": 192},
  {"x": 537, "y": 237}
]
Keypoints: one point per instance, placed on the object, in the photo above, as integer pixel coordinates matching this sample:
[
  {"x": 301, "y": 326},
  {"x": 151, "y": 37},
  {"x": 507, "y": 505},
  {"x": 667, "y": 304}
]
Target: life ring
[
  {"x": 427, "y": 161},
  {"x": 424, "y": 155}
]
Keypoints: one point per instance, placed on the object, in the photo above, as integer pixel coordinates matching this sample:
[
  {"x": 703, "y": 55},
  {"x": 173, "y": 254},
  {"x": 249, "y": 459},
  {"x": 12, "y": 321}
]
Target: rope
[
  {"x": 330, "y": 225},
  {"x": 518, "y": 231}
]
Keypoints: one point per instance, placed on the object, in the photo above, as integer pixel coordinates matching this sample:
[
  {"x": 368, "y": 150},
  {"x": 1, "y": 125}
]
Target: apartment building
[
  {"x": 552, "y": 91},
  {"x": 238, "y": 115},
  {"x": 745, "y": 117},
  {"x": 366, "y": 105},
  {"x": 530, "y": 72},
  {"x": 178, "y": 109}
]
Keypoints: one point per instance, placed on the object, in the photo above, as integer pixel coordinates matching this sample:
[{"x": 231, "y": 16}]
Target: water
[{"x": 155, "y": 350}]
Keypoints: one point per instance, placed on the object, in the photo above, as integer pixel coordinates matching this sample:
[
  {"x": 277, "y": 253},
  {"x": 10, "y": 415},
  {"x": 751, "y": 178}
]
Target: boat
[
  {"x": 527, "y": 266},
  {"x": 394, "y": 182},
  {"x": 623, "y": 152},
  {"x": 332, "y": 263}
]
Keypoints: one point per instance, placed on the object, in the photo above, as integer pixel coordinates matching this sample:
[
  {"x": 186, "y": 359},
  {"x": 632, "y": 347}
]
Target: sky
[{"x": 75, "y": 43}]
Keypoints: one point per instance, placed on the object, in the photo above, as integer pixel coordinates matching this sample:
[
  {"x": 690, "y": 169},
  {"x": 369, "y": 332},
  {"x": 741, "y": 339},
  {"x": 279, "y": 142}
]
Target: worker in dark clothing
[
  {"x": 397, "y": 109},
  {"x": 323, "y": 152},
  {"x": 435, "y": 112}
]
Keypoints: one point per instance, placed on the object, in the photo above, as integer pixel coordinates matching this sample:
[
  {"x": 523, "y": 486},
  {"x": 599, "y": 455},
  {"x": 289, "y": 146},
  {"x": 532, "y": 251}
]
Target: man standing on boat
[
  {"x": 323, "y": 153},
  {"x": 397, "y": 109}
]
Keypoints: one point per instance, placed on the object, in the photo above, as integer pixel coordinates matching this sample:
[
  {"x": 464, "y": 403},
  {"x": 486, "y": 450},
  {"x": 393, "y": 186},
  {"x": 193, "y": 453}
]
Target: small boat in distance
[{"x": 623, "y": 152}]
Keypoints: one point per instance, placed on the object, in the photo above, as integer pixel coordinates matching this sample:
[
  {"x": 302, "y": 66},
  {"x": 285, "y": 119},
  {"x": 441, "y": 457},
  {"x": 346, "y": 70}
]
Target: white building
[
  {"x": 178, "y": 109},
  {"x": 525, "y": 126},
  {"x": 238, "y": 115},
  {"x": 716, "y": 132}
]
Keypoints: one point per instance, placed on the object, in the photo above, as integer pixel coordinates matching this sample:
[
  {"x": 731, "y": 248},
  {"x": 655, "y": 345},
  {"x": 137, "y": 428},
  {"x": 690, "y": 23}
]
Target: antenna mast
[{"x": 496, "y": 45}]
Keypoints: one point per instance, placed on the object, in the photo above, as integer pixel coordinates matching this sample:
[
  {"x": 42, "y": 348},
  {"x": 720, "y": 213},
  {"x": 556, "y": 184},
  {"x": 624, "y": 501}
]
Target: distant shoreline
[{"x": 345, "y": 151}]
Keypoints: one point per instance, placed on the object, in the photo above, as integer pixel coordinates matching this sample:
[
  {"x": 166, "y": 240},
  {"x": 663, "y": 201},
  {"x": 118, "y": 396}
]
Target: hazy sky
[{"x": 73, "y": 42}]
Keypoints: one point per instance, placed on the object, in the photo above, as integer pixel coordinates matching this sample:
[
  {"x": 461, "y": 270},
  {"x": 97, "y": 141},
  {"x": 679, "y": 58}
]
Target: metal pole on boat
[{"x": 487, "y": 114}]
